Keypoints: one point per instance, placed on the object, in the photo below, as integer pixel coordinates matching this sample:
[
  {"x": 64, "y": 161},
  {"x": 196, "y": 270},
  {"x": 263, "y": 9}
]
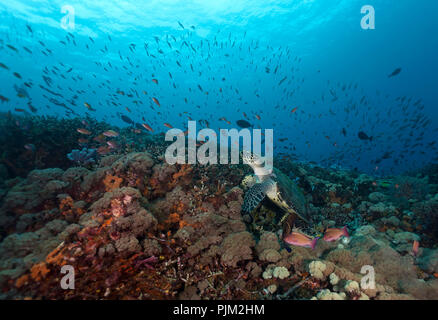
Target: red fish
[
  {"x": 147, "y": 127},
  {"x": 83, "y": 131},
  {"x": 415, "y": 247},
  {"x": 110, "y": 133},
  {"x": 301, "y": 240},
  {"x": 156, "y": 101},
  {"x": 333, "y": 234},
  {"x": 168, "y": 125},
  {"x": 112, "y": 144},
  {"x": 294, "y": 110}
]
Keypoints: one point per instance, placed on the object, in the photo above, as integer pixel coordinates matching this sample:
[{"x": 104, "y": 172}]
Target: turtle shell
[{"x": 291, "y": 195}]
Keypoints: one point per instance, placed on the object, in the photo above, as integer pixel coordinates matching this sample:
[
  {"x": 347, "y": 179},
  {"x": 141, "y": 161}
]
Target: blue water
[{"x": 337, "y": 73}]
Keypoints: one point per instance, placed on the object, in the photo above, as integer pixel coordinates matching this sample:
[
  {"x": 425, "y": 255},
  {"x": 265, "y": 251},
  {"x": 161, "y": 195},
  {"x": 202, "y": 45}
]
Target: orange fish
[
  {"x": 415, "y": 247},
  {"x": 333, "y": 234},
  {"x": 147, "y": 127},
  {"x": 156, "y": 101},
  {"x": 112, "y": 144},
  {"x": 168, "y": 125},
  {"x": 100, "y": 138},
  {"x": 83, "y": 131},
  {"x": 300, "y": 239},
  {"x": 103, "y": 150},
  {"x": 258, "y": 117},
  {"x": 110, "y": 133},
  {"x": 294, "y": 109}
]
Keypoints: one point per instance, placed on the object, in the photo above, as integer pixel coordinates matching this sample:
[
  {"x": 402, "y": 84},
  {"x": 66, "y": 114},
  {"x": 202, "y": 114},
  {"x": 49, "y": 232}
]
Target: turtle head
[
  {"x": 250, "y": 158},
  {"x": 257, "y": 163}
]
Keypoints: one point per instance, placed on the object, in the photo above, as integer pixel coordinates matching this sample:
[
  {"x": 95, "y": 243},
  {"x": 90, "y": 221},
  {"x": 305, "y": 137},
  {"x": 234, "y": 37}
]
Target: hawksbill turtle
[{"x": 274, "y": 185}]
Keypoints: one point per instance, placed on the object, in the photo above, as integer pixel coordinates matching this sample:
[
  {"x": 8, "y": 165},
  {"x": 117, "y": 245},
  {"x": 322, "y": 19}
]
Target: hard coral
[
  {"x": 112, "y": 182},
  {"x": 236, "y": 247}
]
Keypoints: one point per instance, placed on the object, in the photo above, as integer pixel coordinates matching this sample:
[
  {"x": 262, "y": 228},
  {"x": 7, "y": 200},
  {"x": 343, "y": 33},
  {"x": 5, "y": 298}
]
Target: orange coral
[
  {"x": 185, "y": 170},
  {"x": 66, "y": 204},
  {"x": 173, "y": 218},
  {"x": 67, "y": 207},
  {"x": 112, "y": 182},
  {"x": 183, "y": 223},
  {"x": 39, "y": 271},
  {"x": 105, "y": 224},
  {"x": 183, "y": 174},
  {"x": 22, "y": 281},
  {"x": 56, "y": 257}
]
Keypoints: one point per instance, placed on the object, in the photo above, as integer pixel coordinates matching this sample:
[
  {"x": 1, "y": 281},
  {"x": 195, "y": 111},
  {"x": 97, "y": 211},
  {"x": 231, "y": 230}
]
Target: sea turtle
[{"x": 274, "y": 185}]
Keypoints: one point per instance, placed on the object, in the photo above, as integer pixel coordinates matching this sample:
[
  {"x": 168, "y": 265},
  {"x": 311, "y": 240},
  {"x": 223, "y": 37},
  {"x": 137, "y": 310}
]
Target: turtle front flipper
[{"x": 253, "y": 197}]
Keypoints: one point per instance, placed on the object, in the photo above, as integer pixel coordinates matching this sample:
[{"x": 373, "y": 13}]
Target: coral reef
[{"x": 134, "y": 227}]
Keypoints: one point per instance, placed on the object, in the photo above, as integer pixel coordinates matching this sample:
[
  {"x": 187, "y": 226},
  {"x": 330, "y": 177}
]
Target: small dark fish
[
  {"x": 344, "y": 132},
  {"x": 395, "y": 72},
  {"x": 12, "y": 48},
  {"x": 243, "y": 124},
  {"x": 363, "y": 136},
  {"x": 126, "y": 119}
]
